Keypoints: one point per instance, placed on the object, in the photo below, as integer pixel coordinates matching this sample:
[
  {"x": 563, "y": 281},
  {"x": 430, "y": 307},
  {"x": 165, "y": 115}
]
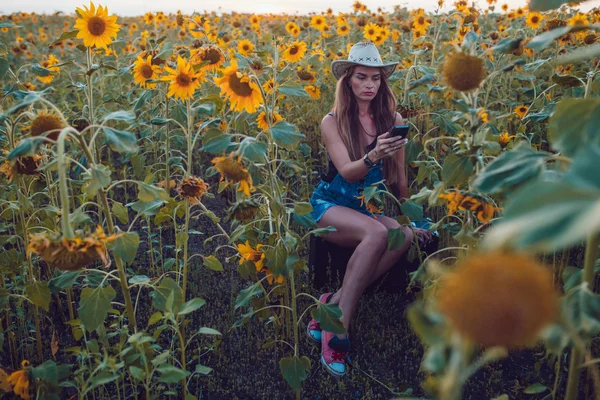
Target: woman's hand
[
  {"x": 423, "y": 235},
  {"x": 388, "y": 146}
]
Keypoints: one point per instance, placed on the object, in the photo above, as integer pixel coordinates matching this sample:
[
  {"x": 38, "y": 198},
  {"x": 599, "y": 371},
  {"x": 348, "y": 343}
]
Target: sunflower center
[
  {"x": 240, "y": 88},
  {"x": 96, "y": 26},
  {"x": 213, "y": 56},
  {"x": 535, "y": 19},
  {"x": 294, "y": 50},
  {"x": 421, "y": 21},
  {"x": 246, "y": 47},
  {"x": 146, "y": 71},
  {"x": 184, "y": 80}
]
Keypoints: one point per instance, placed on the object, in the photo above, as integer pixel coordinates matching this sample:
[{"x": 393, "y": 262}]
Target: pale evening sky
[{"x": 138, "y": 7}]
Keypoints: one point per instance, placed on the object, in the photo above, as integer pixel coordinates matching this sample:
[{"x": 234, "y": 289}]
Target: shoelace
[{"x": 338, "y": 356}]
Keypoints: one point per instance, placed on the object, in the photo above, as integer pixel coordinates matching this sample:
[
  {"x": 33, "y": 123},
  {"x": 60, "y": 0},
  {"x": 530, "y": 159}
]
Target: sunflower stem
[
  {"x": 67, "y": 229},
  {"x": 591, "y": 251}
]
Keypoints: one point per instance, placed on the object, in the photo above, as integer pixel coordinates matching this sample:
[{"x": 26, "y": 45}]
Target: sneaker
[
  {"x": 334, "y": 361},
  {"x": 313, "y": 330}
]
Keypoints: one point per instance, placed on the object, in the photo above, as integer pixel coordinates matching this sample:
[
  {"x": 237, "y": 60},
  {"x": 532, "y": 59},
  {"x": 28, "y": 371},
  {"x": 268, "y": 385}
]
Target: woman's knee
[
  {"x": 376, "y": 234},
  {"x": 408, "y": 234}
]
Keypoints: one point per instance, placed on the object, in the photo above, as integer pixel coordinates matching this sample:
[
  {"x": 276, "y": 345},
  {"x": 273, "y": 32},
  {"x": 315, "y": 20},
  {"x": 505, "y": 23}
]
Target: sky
[{"x": 138, "y": 7}]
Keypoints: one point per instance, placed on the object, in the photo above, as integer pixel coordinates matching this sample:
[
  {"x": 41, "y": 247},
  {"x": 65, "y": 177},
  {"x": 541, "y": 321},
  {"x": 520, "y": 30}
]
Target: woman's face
[{"x": 365, "y": 82}]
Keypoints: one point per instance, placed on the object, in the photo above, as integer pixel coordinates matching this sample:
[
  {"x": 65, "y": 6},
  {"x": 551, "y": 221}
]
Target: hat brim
[{"x": 339, "y": 67}]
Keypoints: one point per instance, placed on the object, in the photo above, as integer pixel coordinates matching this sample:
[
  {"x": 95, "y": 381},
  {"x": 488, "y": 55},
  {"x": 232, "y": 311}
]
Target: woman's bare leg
[
  {"x": 370, "y": 239},
  {"x": 390, "y": 258}
]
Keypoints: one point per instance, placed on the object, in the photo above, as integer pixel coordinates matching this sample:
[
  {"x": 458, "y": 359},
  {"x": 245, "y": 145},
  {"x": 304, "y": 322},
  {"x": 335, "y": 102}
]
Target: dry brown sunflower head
[
  {"x": 463, "y": 72},
  {"x": 192, "y": 188},
  {"x": 499, "y": 299},
  {"x": 245, "y": 210},
  {"x": 73, "y": 253},
  {"x": 554, "y": 23},
  {"x": 46, "y": 122},
  {"x": 305, "y": 75}
]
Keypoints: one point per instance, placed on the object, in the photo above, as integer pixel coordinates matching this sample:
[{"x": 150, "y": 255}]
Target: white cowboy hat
[{"x": 362, "y": 53}]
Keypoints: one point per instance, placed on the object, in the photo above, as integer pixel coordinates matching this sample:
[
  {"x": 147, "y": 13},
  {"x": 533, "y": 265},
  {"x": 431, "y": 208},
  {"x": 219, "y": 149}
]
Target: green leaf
[
  {"x": 425, "y": 79},
  {"x": 545, "y": 5},
  {"x": 549, "y": 216},
  {"x": 63, "y": 281},
  {"x": 578, "y": 55},
  {"x": 285, "y": 134},
  {"x": 302, "y": 208},
  {"x": 137, "y": 373},
  {"x": 162, "y": 292},
  {"x": 121, "y": 115},
  {"x": 95, "y": 178},
  {"x": 125, "y": 246},
  {"x": 94, "y": 305},
  {"x": 215, "y": 141},
  {"x": 159, "y": 121},
  {"x": 171, "y": 374},
  {"x": 540, "y": 42},
  {"x": 253, "y": 150},
  {"x": 435, "y": 359},
  {"x": 148, "y": 193},
  {"x": 329, "y": 316},
  {"x": 508, "y": 45},
  {"x": 581, "y": 309},
  {"x": 211, "y": 262},
  {"x": 292, "y": 90},
  {"x": 39, "y": 294},
  {"x": 426, "y": 324},
  {"x": 102, "y": 379},
  {"x": 181, "y": 238},
  {"x": 295, "y": 370},
  {"x": 121, "y": 141},
  {"x": 247, "y": 294},
  {"x": 412, "y": 210},
  {"x": 65, "y": 36},
  {"x": 396, "y": 238},
  {"x": 511, "y": 169},
  {"x": 208, "y": 331},
  {"x": 574, "y": 125},
  {"x": 275, "y": 260},
  {"x": 154, "y": 318},
  {"x": 203, "y": 369},
  {"x": 25, "y": 148},
  {"x": 535, "y": 388},
  {"x": 191, "y": 306},
  {"x": 456, "y": 170},
  {"x": 120, "y": 212}
]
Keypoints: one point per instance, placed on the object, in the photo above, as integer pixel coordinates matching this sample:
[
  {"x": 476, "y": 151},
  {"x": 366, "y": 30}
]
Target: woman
[{"x": 361, "y": 152}]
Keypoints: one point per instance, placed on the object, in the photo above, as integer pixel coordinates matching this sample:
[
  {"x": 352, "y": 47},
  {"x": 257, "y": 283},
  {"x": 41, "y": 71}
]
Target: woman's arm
[
  {"x": 351, "y": 171},
  {"x": 400, "y": 189}
]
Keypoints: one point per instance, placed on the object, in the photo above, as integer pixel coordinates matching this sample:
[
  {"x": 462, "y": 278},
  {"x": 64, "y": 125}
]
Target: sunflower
[
  {"x": 20, "y": 381},
  {"x": 262, "y": 122},
  {"x": 21, "y": 166},
  {"x": 420, "y": 23},
  {"x": 317, "y": 22},
  {"x": 504, "y": 138},
  {"x": 143, "y": 70},
  {"x": 371, "y": 31},
  {"x": 46, "y": 123},
  {"x": 192, "y": 188},
  {"x": 514, "y": 294},
  {"x": 242, "y": 92},
  {"x": 245, "y": 210},
  {"x": 184, "y": 81},
  {"x": 247, "y": 253},
  {"x": 211, "y": 54},
  {"x": 463, "y": 72},
  {"x": 521, "y": 111},
  {"x": 245, "y": 47},
  {"x": 232, "y": 171},
  {"x": 268, "y": 86},
  {"x": 69, "y": 254},
  {"x": 294, "y": 52},
  {"x": 578, "y": 19},
  {"x": 305, "y": 75},
  {"x": 95, "y": 26},
  {"x": 343, "y": 30},
  {"x": 313, "y": 91},
  {"x": 290, "y": 27},
  {"x": 534, "y": 20},
  {"x": 464, "y": 201},
  {"x": 48, "y": 64}
]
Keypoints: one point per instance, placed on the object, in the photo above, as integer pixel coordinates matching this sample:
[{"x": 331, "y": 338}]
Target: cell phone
[{"x": 399, "y": 130}]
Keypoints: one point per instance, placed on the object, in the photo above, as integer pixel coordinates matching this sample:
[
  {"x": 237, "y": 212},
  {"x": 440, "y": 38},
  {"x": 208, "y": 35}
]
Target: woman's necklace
[{"x": 363, "y": 128}]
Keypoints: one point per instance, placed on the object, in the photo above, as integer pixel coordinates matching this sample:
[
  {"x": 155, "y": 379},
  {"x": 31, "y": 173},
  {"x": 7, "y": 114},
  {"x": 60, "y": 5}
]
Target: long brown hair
[{"x": 383, "y": 109}]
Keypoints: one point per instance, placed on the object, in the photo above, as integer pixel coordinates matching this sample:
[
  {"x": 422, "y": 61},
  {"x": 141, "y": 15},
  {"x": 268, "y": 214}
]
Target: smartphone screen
[{"x": 399, "y": 130}]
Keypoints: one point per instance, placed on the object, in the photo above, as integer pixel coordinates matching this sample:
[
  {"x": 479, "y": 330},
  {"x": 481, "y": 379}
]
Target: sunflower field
[{"x": 155, "y": 178}]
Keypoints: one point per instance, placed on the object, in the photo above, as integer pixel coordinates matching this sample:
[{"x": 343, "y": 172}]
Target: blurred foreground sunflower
[
  {"x": 463, "y": 72},
  {"x": 499, "y": 299},
  {"x": 69, "y": 254},
  {"x": 232, "y": 171},
  {"x": 95, "y": 26},
  {"x": 20, "y": 381}
]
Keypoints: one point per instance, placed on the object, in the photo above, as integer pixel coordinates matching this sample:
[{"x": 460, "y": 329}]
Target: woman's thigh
[
  {"x": 391, "y": 223},
  {"x": 352, "y": 227}
]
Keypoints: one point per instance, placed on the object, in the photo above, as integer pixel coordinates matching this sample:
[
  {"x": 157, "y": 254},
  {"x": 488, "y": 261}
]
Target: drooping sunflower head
[
  {"x": 245, "y": 210},
  {"x": 192, "y": 188},
  {"x": 232, "y": 171},
  {"x": 498, "y": 299},
  {"x": 554, "y": 23},
  {"x": 46, "y": 123},
  {"x": 242, "y": 92},
  {"x": 20, "y": 381},
  {"x": 21, "y": 166},
  {"x": 463, "y": 72},
  {"x": 96, "y": 27},
  {"x": 144, "y": 70},
  {"x": 305, "y": 76},
  {"x": 69, "y": 254}
]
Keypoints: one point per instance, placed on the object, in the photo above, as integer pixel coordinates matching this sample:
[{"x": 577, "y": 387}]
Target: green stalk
[
  {"x": 67, "y": 229},
  {"x": 577, "y": 354},
  {"x": 295, "y": 320}
]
